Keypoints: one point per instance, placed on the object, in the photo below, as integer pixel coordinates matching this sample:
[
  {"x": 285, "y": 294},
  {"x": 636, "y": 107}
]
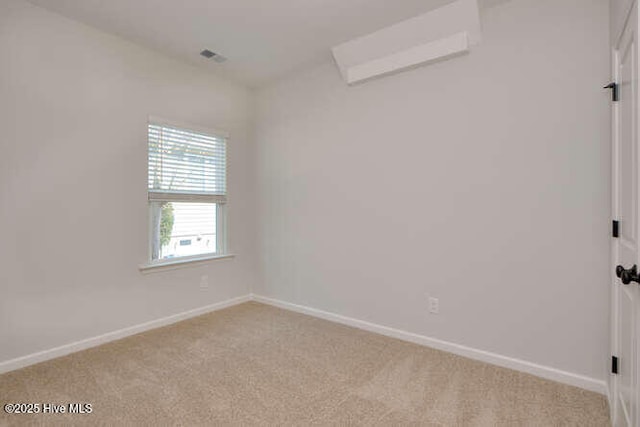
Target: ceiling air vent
[{"x": 212, "y": 55}]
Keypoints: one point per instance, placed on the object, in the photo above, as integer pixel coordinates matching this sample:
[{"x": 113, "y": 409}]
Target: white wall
[
  {"x": 73, "y": 112},
  {"x": 483, "y": 181}
]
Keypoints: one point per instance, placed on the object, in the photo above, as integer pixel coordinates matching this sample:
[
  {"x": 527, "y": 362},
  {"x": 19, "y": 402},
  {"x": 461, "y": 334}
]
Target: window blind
[{"x": 186, "y": 165}]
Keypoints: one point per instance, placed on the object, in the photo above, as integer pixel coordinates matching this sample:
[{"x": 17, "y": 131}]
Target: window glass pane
[{"x": 183, "y": 229}]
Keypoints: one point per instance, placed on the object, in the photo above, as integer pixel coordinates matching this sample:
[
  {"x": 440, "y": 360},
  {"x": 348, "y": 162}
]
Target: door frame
[{"x": 613, "y": 383}]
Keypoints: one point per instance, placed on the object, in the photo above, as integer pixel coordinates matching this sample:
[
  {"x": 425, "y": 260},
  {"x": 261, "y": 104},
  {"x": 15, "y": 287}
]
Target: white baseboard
[
  {"x": 553, "y": 374},
  {"x": 546, "y": 372},
  {"x": 63, "y": 350}
]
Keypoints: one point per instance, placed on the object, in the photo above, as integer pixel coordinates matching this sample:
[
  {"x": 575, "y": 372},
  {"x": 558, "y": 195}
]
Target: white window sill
[{"x": 157, "y": 266}]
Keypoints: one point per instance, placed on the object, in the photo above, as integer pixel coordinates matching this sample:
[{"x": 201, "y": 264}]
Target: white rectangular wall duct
[
  {"x": 433, "y": 36},
  {"x": 422, "y": 54}
]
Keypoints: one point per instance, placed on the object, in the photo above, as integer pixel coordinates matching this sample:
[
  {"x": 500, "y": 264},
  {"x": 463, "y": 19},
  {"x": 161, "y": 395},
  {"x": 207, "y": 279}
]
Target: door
[{"x": 625, "y": 209}]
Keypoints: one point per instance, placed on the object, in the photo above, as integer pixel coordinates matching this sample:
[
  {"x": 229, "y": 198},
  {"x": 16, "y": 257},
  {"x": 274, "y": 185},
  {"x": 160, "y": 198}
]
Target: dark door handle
[{"x": 628, "y": 276}]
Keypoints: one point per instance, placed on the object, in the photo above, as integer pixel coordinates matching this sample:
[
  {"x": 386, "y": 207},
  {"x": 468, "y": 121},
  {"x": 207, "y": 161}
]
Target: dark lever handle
[{"x": 628, "y": 276}]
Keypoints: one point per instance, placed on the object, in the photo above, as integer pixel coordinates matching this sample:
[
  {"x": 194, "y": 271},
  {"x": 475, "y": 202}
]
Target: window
[{"x": 187, "y": 191}]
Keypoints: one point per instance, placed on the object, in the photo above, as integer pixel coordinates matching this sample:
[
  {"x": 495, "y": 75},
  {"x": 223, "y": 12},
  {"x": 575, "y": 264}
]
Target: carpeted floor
[{"x": 257, "y": 365}]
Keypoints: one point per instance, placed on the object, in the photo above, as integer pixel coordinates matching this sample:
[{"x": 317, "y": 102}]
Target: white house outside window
[{"x": 187, "y": 192}]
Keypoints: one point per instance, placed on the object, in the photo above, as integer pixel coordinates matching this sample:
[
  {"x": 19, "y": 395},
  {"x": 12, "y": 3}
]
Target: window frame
[{"x": 221, "y": 202}]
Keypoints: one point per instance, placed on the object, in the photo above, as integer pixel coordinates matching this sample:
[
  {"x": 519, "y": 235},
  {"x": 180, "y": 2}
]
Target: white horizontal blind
[{"x": 186, "y": 165}]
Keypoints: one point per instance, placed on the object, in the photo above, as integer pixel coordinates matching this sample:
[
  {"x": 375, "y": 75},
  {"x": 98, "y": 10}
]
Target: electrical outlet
[
  {"x": 434, "y": 305},
  {"x": 204, "y": 282}
]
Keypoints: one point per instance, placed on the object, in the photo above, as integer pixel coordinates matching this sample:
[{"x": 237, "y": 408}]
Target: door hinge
[
  {"x": 614, "y": 365},
  {"x": 614, "y": 91},
  {"x": 615, "y": 229}
]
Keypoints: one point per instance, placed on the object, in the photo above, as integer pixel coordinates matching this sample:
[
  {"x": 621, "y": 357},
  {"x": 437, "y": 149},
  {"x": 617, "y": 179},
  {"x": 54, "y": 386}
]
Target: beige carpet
[{"x": 257, "y": 365}]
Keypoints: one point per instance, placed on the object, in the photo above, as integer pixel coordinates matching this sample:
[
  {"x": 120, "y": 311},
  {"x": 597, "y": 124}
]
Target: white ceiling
[{"x": 262, "y": 39}]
